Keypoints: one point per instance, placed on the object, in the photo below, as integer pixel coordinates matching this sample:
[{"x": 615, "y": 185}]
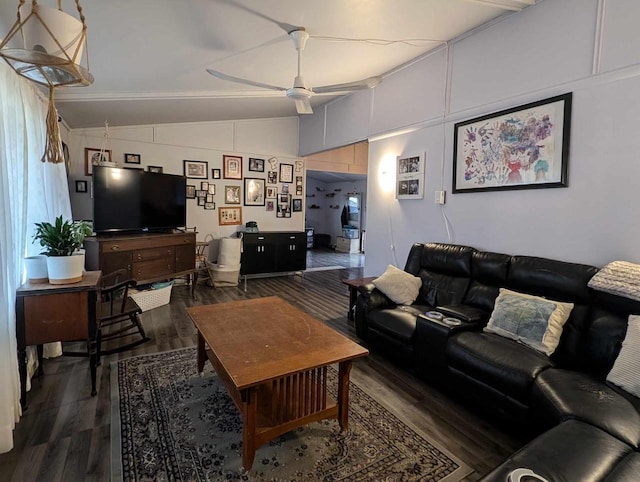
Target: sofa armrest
[
  {"x": 465, "y": 313},
  {"x": 431, "y": 338},
  {"x": 369, "y": 298}
]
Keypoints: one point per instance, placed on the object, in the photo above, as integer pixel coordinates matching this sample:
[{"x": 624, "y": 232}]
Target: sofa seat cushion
[
  {"x": 573, "y": 450},
  {"x": 563, "y": 394},
  {"x": 501, "y": 363},
  {"x": 398, "y": 322},
  {"x": 628, "y": 469}
]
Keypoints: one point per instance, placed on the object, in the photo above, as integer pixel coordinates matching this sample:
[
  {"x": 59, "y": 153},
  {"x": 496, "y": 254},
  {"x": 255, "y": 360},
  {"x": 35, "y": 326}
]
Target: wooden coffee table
[{"x": 272, "y": 359}]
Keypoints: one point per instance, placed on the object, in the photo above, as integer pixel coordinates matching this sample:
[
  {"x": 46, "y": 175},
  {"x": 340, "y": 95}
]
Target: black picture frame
[
  {"x": 286, "y": 173},
  {"x": 191, "y": 191},
  {"x": 524, "y": 147},
  {"x": 254, "y": 191},
  {"x": 156, "y": 169},
  {"x": 81, "y": 186},
  {"x": 215, "y": 173},
  {"x": 256, "y": 165},
  {"x": 297, "y": 205},
  {"x": 131, "y": 158},
  {"x": 196, "y": 169}
]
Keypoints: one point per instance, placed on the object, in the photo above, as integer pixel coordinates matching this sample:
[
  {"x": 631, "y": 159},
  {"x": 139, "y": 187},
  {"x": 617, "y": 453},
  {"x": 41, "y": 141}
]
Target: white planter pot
[
  {"x": 37, "y": 269},
  {"x": 65, "y": 269}
]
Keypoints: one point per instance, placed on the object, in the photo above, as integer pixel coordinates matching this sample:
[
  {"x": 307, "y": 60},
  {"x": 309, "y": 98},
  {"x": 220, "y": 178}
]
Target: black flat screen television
[{"x": 138, "y": 201}]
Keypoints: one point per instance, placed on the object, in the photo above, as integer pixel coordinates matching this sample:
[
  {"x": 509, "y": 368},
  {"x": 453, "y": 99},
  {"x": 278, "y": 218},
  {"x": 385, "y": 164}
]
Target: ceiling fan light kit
[{"x": 300, "y": 93}]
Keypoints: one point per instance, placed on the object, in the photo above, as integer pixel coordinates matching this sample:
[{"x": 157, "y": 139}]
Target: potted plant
[{"x": 61, "y": 241}]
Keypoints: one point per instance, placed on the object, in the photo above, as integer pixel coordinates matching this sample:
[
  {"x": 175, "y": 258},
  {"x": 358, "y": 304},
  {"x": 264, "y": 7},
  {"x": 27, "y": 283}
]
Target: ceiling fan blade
[
  {"x": 368, "y": 83},
  {"x": 303, "y": 106},
  {"x": 239, "y": 80}
]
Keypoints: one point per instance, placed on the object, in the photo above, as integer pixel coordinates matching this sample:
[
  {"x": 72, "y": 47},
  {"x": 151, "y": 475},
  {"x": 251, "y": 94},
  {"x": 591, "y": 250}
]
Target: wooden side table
[
  {"x": 353, "y": 285},
  {"x": 47, "y": 313}
]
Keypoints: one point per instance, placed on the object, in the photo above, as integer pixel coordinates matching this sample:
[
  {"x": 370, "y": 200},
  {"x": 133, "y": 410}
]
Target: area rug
[{"x": 169, "y": 423}]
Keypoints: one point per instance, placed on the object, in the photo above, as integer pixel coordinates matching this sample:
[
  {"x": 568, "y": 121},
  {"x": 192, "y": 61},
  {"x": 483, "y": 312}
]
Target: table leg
[
  {"x": 93, "y": 360},
  {"x": 343, "y": 394},
  {"x": 202, "y": 355},
  {"x": 40, "y": 350},
  {"x": 353, "y": 296},
  {"x": 22, "y": 370},
  {"x": 249, "y": 415}
]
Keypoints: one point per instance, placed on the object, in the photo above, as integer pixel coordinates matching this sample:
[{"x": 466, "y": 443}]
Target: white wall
[
  {"x": 326, "y": 219},
  {"x": 545, "y": 50},
  {"x": 168, "y": 145},
  {"x": 316, "y": 216}
]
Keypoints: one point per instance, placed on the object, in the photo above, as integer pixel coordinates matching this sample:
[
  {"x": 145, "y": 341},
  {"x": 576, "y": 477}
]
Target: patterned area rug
[{"x": 168, "y": 423}]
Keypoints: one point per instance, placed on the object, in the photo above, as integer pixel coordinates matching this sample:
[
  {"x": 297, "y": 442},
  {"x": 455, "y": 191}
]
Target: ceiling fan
[{"x": 300, "y": 93}]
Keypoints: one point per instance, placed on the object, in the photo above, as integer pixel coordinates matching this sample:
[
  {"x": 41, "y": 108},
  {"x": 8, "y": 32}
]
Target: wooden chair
[{"x": 119, "y": 313}]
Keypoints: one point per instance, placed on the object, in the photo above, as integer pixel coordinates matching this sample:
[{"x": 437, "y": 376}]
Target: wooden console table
[
  {"x": 47, "y": 313},
  {"x": 147, "y": 257}
]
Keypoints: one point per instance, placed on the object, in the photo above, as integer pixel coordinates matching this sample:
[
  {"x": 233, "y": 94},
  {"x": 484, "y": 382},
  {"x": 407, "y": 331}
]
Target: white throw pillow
[
  {"x": 532, "y": 320},
  {"x": 618, "y": 278},
  {"x": 626, "y": 369},
  {"x": 401, "y": 287}
]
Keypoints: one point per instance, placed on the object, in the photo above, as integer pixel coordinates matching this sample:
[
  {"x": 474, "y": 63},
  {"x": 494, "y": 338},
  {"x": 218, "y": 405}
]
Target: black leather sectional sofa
[{"x": 588, "y": 429}]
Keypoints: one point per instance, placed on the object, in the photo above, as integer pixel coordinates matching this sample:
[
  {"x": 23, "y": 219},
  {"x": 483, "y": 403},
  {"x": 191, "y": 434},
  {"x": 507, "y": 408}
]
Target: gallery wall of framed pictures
[
  {"x": 251, "y": 187},
  {"x": 258, "y": 187}
]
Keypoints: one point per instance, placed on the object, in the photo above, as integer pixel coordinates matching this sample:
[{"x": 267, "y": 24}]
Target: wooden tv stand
[{"x": 148, "y": 257}]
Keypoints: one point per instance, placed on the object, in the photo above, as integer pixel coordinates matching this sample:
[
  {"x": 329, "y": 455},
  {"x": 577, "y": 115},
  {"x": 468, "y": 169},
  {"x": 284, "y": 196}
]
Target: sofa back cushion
[
  {"x": 488, "y": 275},
  {"x": 445, "y": 270},
  {"x": 561, "y": 281},
  {"x": 606, "y": 330}
]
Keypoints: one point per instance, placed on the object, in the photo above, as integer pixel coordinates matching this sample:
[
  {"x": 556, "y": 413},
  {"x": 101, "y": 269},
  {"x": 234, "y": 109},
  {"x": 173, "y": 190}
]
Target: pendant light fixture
[{"x": 54, "y": 42}]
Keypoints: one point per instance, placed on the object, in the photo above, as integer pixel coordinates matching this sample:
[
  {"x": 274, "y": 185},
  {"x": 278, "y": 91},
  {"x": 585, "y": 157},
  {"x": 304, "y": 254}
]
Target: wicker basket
[{"x": 150, "y": 299}]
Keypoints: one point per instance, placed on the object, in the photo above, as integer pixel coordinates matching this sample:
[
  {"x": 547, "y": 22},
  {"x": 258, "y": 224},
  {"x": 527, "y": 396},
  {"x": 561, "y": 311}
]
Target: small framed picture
[
  {"x": 232, "y": 194},
  {"x": 253, "y": 192},
  {"x": 297, "y": 205},
  {"x": 204, "y": 185},
  {"x": 132, "y": 158},
  {"x": 256, "y": 165},
  {"x": 81, "y": 186},
  {"x": 272, "y": 177},
  {"x": 156, "y": 169},
  {"x": 96, "y": 157},
  {"x": 286, "y": 172},
  {"x": 270, "y": 205},
  {"x": 196, "y": 169},
  {"x": 272, "y": 192},
  {"x": 228, "y": 216},
  {"x": 209, "y": 198},
  {"x": 201, "y": 201},
  {"x": 215, "y": 173},
  {"x": 191, "y": 192},
  {"x": 212, "y": 188},
  {"x": 232, "y": 167},
  {"x": 209, "y": 205},
  {"x": 410, "y": 176},
  {"x": 201, "y": 193},
  {"x": 284, "y": 206}
]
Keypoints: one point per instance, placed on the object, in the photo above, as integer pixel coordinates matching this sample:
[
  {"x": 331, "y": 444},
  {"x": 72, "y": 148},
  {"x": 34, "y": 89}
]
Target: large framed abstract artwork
[{"x": 525, "y": 147}]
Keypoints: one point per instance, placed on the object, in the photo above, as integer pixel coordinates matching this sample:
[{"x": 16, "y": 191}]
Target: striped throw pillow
[{"x": 626, "y": 369}]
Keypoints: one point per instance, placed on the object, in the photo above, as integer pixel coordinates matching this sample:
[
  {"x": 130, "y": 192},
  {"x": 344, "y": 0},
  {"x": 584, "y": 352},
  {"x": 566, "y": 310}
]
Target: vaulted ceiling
[{"x": 149, "y": 57}]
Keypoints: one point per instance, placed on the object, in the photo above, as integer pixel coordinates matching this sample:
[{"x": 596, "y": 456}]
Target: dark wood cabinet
[
  {"x": 273, "y": 252},
  {"x": 148, "y": 257}
]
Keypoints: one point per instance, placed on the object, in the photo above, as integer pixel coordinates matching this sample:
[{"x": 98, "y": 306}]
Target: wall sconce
[{"x": 386, "y": 173}]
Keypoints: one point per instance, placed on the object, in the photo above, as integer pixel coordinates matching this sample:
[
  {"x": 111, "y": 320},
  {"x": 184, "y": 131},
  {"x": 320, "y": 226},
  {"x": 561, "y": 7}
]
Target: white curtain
[{"x": 29, "y": 191}]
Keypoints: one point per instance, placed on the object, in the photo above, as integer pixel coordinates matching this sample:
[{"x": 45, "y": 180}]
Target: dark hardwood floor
[{"x": 65, "y": 433}]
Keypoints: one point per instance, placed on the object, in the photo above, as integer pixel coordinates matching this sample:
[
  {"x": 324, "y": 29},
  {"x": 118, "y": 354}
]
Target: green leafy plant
[{"x": 62, "y": 238}]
